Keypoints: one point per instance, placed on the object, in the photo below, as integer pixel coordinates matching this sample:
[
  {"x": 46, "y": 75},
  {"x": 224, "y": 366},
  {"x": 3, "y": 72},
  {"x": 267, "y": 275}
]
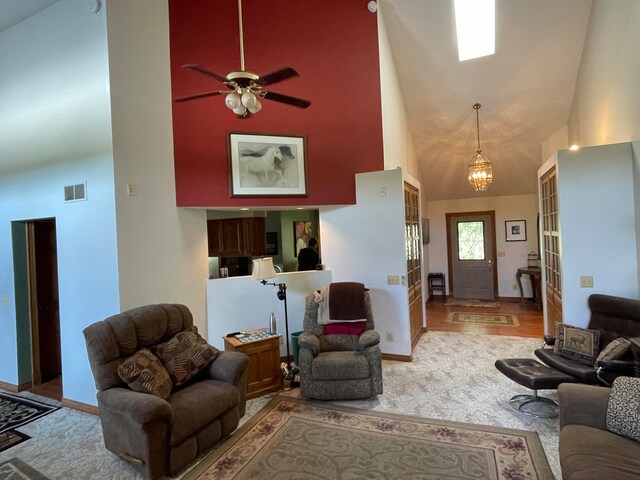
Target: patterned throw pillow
[
  {"x": 623, "y": 411},
  {"x": 144, "y": 373},
  {"x": 185, "y": 354},
  {"x": 579, "y": 344},
  {"x": 615, "y": 350}
]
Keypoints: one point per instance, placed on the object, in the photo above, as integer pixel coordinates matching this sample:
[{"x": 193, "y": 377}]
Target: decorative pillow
[
  {"x": 344, "y": 328},
  {"x": 579, "y": 344},
  {"x": 615, "y": 350},
  {"x": 144, "y": 373},
  {"x": 623, "y": 411},
  {"x": 185, "y": 354}
]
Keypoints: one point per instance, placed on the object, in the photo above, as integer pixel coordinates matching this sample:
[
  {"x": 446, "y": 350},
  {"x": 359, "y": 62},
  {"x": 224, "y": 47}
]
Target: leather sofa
[
  {"x": 160, "y": 437},
  {"x": 588, "y": 451}
]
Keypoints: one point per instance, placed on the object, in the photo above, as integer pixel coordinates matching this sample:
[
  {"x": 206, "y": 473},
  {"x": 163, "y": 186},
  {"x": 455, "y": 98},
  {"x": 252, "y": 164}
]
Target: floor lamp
[{"x": 262, "y": 271}]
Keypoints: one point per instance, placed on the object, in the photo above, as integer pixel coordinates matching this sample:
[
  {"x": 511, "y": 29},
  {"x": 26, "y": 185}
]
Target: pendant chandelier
[{"x": 480, "y": 171}]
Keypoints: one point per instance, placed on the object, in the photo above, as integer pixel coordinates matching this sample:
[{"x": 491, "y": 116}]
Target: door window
[{"x": 471, "y": 240}]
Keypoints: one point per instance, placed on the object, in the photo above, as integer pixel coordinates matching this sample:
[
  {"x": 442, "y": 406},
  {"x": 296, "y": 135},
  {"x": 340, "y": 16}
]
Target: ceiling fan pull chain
[{"x": 241, "y": 36}]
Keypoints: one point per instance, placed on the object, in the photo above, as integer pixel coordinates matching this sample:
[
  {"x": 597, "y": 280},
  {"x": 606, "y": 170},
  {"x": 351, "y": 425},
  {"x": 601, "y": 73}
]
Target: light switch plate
[{"x": 586, "y": 282}]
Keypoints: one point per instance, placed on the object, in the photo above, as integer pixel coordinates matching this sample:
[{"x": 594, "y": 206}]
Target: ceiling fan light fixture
[
  {"x": 240, "y": 111},
  {"x": 480, "y": 169}
]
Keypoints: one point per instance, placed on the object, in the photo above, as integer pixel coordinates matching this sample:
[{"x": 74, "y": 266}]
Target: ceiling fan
[{"x": 244, "y": 88}]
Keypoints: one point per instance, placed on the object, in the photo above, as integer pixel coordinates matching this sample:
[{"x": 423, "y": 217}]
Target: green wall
[{"x": 21, "y": 280}]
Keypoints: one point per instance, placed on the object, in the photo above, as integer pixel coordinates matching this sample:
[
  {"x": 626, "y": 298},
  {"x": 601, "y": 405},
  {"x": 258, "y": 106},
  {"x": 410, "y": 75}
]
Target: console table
[{"x": 535, "y": 276}]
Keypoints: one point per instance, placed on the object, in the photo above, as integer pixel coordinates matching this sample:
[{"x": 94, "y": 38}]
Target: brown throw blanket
[{"x": 346, "y": 301}]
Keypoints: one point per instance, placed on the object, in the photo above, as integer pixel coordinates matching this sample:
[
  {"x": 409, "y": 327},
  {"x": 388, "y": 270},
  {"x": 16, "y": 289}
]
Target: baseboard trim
[
  {"x": 397, "y": 358},
  {"x": 9, "y": 386},
  {"x": 82, "y": 407}
]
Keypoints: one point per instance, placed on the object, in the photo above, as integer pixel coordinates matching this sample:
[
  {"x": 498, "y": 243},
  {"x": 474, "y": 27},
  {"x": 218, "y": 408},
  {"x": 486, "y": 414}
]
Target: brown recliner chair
[
  {"x": 161, "y": 437},
  {"x": 613, "y": 317}
]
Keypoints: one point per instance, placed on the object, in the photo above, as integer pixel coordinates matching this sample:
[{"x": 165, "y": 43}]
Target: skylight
[{"x": 476, "y": 28}]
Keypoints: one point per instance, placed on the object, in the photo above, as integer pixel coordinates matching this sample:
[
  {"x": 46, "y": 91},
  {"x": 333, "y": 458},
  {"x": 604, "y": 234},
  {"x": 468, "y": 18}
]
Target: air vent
[{"x": 75, "y": 193}]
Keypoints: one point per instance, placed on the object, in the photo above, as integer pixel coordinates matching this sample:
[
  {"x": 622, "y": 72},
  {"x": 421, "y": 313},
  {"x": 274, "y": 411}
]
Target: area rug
[
  {"x": 16, "y": 410},
  {"x": 471, "y": 302},
  {"x": 295, "y": 439},
  {"x": 472, "y": 318},
  {"x": 11, "y": 438},
  {"x": 16, "y": 469}
]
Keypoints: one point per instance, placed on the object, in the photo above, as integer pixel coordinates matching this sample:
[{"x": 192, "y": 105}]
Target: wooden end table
[{"x": 264, "y": 374}]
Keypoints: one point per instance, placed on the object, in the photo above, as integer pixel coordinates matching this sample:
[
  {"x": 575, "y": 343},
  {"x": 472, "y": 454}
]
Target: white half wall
[
  {"x": 597, "y": 226},
  {"x": 514, "y": 254},
  {"x": 241, "y": 303},
  {"x": 364, "y": 243},
  {"x": 162, "y": 249},
  {"x": 54, "y": 124}
]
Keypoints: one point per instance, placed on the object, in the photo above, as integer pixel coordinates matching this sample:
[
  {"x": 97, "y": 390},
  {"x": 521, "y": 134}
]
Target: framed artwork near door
[{"x": 515, "y": 230}]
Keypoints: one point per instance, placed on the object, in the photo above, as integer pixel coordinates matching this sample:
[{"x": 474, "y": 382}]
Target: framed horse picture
[{"x": 267, "y": 165}]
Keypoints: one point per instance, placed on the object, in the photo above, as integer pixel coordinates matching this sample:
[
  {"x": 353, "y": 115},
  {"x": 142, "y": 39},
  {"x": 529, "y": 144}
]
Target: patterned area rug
[
  {"x": 10, "y": 438},
  {"x": 483, "y": 319},
  {"x": 471, "y": 302},
  {"x": 16, "y": 469},
  {"x": 16, "y": 410},
  {"x": 292, "y": 438}
]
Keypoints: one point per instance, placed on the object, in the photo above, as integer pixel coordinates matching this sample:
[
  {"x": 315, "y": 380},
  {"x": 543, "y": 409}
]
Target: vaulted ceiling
[{"x": 525, "y": 89}]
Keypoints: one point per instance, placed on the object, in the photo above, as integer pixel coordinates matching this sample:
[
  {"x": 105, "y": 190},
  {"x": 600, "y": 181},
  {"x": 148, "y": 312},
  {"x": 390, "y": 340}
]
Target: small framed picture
[
  {"x": 516, "y": 230},
  {"x": 267, "y": 165}
]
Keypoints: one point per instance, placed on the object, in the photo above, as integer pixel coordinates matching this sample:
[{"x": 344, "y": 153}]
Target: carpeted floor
[
  {"x": 451, "y": 378},
  {"x": 474, "y": 318},
  {"x": 294, "y": 438}
]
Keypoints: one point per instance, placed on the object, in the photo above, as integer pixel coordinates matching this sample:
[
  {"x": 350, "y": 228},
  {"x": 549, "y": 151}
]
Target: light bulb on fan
[
  {"x": 256, "y": 107},
  {"x": 248, "y": 99},
  {"x": 241, "y": 110},
  {"x": 233, "y": 101}
]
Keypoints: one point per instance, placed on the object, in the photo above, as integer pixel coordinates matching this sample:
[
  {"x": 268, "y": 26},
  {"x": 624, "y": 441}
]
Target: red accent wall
[{"x": 333, "y": 44}]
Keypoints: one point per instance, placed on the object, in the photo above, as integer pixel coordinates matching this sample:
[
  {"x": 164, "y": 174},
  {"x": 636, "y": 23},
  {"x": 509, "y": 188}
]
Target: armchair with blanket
[
  {"x": 180, "y": 396},
  {"x": 339, "y": 355}
]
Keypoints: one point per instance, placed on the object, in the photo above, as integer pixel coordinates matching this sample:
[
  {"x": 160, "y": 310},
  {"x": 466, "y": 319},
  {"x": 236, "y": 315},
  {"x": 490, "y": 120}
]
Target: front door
[{"x": 471, "y": 252}]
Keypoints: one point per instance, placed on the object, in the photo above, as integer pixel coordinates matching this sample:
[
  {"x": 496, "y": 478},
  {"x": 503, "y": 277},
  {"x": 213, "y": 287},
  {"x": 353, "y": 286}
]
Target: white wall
[
  {"x": 54, "y": 121},
  {"x": 162, "y": 249},
  {"x": 636, "y": 190},
  {"x": 605, "y": 106},
  {"x": 240, "y": 303},
  {"x": 558, "y": 141},
  {"x": 512, "y": 207},
  {"x": 365, "y": 243},
  {"x": 597, "y": 226},
  {"x": 397, "y": 139}
]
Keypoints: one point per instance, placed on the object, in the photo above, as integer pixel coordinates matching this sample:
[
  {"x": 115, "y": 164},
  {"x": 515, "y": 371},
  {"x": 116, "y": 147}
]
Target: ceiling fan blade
[
  {"x": 197, "y": 95},
  {"x": 278, "y": 97},
  {"x": 278, "y": 76},
  {"x": 204, "y": 71}
]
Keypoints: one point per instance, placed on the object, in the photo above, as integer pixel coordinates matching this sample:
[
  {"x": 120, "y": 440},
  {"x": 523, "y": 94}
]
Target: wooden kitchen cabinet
[
  {"x": 236, "y": 237},
  {"x": 264, "y": 374}
]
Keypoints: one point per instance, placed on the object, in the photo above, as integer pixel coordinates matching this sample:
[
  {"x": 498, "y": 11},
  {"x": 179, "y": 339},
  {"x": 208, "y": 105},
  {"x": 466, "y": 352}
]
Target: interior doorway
[
  {"x": 471, "y": 250},
  {"x": 37, "y": 307}
]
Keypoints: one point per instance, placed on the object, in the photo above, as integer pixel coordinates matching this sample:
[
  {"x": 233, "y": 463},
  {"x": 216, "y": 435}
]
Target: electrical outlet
[
  {"x": 502, "y": 253},
  {"x": 132, "y": 190},
  {"x": 383, "y": 191},
  {"x": 403, "y": 280},
  {"x": 393, "y": 279},
  {"x": 586, "y": 282},
  {"x": 5, "y": 300},
  {"x": 389, "y": 337}
]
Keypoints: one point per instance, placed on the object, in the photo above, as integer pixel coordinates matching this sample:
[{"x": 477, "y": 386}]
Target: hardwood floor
[
  {"x": 51, "y": 389},
  {"x": 530, "y": 318}
]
